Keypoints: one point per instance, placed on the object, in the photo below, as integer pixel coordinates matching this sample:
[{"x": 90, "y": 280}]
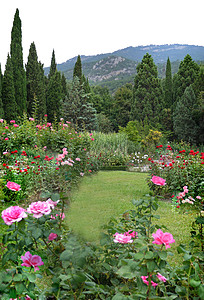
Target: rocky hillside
[{"x": 117, "y": 68}]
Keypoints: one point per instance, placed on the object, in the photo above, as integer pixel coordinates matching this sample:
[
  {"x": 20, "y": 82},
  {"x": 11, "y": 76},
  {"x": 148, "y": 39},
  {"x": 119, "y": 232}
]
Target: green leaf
[
  {"x": 12, "y": 293},
  {"x": 55, "y": 197},
  {"x": 20, "y": 287},
  {"x": 194, "y": 283},
  {"x": 151, "y": 265},
  {"x": 138, "y": 256},
  {"x": 162, "y": 255},
  {"x": 37, "y": 233},
  {"x": 149, "y": 255},
  {"x": 66, "y": 255},
  {"x": 17, "y": 277},
  {"x": 187, "y": 256},
  {"x": 31, "y": 277}
]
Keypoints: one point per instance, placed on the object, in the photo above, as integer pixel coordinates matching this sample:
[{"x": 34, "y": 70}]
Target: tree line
[{"x": 174, "y": 105}]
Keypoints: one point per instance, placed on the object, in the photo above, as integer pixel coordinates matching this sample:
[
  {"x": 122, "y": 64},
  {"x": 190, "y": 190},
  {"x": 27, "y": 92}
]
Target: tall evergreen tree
[
  {"x": 78, "y": 69},
  {"x": 54, "y": 95},
  {"x": 53, "y": 67},
  {"x": 121, "y": 106},
  {"x": 1, "y": 103},
  {"x": 77, "y": 110},
  {"x": 8, "y": 92},
  {"x": 184, "y": 122},
  {"x": 168, "y": 92},
  {"x": 147, "y": 93},
  {"x": 64, "y": 86},
  {"x": 35, "y": 84},
  {"x": 186, "y": 75},
  {"x": 19, "y": 75}
]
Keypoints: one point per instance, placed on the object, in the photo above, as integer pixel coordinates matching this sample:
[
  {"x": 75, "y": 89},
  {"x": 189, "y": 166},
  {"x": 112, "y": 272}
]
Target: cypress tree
[
  {"x": 168, "y": 89},
  {"x": 35, "y": 84},
  {"x": 78, "y": 69},
  {"x": 8, "y": 92},
  {"x": 147, "y": 93},
  {"x": 54, "y": 95},
  {"x": 64, "y": 86},
  {"x": 19, "y": 75},
  {"x": 1, "y": 103},
  {"x": 53, "y": 67}
]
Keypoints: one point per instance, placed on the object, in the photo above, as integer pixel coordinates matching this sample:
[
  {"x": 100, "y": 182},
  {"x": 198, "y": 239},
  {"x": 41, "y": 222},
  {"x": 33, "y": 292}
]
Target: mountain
[{"x": 119, "y": 67}]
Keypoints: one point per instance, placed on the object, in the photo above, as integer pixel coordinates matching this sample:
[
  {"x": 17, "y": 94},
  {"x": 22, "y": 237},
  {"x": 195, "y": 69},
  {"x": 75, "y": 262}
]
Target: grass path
[
  {"x": 102, "y": 196},
  {"x": 109, "y": 194}
]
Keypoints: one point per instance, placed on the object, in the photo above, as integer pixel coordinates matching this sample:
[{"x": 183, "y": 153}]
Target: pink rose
[
  {"x": 13, "y": 186},
  {"x": 52, "y": 203},
  {"x": 1, "y": 120},
  {"x": 15, "y": 125},
  {"x": 52, "y": 236},
  {"x": 30, "y": 260},
  {"x": 12, "y": 121},
  {"x": 161, "y": 278},
  {"x": 6, "y": 139},
  {"x": 13, "y": 214},
  {"x": 158, "y": 180},
  {"x": 39, "y": 208},
  {"x": 78, "y": 159},
  {"x": 131, "y": 233},
  {"x": 163, "y": 238},
  {"x": 122, "y": 238}
]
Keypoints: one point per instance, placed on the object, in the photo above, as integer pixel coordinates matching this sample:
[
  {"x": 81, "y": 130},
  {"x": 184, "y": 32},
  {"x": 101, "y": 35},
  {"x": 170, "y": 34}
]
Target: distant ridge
[{"x": 117, "y": 68}]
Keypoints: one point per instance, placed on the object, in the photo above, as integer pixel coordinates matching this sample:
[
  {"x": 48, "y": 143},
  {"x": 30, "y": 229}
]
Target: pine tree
[
  {"x": 53, "y": 67},
  {"x": 78, "y": 69},
  {"x": 186, "y": 75},
  {"x": 77, "y": 110},
  {"x": 35, "y": 84},
  {"x": 168, "y": 89},
  {"x": 184, "y": 122},
  {"x": 19, "y": 76},
  {"x": 147, "y": 93},
  {"x": 8, "y": 92}
]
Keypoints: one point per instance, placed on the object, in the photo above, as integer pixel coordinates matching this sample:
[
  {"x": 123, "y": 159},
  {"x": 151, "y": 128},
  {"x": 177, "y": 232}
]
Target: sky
[{"x": 90, "y": 27}]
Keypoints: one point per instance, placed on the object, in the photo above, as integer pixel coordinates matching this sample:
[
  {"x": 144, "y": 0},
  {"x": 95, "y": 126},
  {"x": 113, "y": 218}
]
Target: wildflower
[{"x": 30, "y": 260}]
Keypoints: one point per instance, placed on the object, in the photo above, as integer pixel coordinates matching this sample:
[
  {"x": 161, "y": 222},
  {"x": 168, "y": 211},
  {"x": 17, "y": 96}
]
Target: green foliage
[
  {"x": 187, "y": 75},
  {"x": 185, "y": 126},
  {"x": 147, "y": 93},
  {"x": 36, "y": 100},
  {"x": 78, "y": 69},
  {"x": 168, "y": 92},
  {"x": 19, "y": 75},
  {"x": 8, "y": 92}
]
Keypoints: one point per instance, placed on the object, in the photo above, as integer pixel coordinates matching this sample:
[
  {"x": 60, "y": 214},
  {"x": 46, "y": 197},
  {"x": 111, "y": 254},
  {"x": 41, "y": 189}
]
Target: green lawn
[
  {"x": 108, "y": 194},
  {"x": 101, "y": 196}
]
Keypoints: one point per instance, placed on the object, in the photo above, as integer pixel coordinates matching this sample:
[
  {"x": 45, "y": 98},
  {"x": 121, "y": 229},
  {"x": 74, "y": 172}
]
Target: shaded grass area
[{"x": 109, "y": 194}]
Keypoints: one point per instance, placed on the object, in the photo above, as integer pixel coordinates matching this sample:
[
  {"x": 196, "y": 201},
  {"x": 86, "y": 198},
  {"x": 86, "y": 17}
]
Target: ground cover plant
[{"x": 132, "y": 259}]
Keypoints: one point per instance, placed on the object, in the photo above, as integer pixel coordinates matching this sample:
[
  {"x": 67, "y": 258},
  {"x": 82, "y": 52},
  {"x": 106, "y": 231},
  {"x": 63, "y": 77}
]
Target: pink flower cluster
[
  {"x": 154, "y": 284},
  {"x": 163, "y": 238},
  {"x": 181, "y": 195},
  {"x": 38, "y": 209},
  {"x": 125, "y": 238}
]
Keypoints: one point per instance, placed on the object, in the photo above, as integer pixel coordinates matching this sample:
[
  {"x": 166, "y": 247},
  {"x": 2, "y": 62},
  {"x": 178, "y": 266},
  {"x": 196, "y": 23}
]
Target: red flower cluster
[
  {"x": 169, "y": 147},
  {"x": 182, "y": 151},
  {"x": 193, "y": 153},
  {"x": 160, "y": 146},
  {"x": 24, "y": 153},
  {"x": 47, "y": 158},
  {"x": 13, "y": 152}
]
